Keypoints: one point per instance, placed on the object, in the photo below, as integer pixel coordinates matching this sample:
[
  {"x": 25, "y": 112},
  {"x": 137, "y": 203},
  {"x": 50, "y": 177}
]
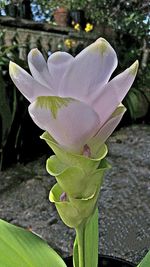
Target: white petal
[
  {"x": 29, "y": 87},
  {"x": 106, "y": 100},
  {"x": 96, "y": 142},
  {"x": 94, "y": 65},
  {"x": 70, "y": 122},
  {"x": 58, "y": 62},
  {"x": 38, "y": 68}
]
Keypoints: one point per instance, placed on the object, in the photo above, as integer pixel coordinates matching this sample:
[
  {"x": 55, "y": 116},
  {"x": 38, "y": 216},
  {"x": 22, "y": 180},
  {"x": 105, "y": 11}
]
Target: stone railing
[{"x": 47, "y": 37}]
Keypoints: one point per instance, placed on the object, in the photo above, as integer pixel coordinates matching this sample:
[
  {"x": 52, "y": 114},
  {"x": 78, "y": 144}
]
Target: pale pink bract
[{"x": 87, "y": 104}]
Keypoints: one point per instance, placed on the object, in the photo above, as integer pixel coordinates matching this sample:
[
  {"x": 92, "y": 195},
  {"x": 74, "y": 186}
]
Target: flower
[
  {"x": 69, "y": 43},
  {"x": 72, "y": 98},
  {"x": 77, "y": 26},
  {"x": 88, "y": 27}
]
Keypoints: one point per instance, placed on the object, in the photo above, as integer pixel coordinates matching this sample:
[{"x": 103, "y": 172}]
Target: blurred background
[{"x": 69, "y": 26}]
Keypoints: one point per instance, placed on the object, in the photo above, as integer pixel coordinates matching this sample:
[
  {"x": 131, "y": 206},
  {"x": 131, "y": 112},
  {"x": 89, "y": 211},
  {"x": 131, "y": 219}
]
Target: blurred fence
[{"x": 47, "y": 37}]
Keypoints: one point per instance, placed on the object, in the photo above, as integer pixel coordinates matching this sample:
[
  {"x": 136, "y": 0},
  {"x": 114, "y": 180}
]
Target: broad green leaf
[
  {"x": 22, "y": 248},
  {"x": 146, "y": 261}
]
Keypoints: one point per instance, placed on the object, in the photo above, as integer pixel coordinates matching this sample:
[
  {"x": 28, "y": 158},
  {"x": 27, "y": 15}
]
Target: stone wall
[{"x": 47, "y": 37}]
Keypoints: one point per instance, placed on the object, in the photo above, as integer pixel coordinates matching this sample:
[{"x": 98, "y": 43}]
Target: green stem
[
  {"x": 85, "y": 253},
  {"x": 81, "y": 244}
]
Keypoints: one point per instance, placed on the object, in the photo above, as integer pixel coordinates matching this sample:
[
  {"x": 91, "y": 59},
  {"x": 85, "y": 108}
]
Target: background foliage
[{"x": 15, "y": 139}]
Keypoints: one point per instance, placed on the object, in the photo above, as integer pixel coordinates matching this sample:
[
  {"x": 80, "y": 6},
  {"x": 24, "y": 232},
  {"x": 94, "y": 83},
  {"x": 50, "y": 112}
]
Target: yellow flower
[
  {"x": 77, "y": 27},
  {"x": 89, "y": 27},
  {"x": 68, "y": 43}
]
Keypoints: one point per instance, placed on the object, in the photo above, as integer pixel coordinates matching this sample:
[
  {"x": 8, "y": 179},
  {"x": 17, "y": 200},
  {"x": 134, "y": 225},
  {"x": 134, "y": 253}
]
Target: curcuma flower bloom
[{"x": 72, "y": 98}]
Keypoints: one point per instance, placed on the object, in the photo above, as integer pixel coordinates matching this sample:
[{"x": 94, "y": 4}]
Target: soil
[{"x": 124, "y": 202}]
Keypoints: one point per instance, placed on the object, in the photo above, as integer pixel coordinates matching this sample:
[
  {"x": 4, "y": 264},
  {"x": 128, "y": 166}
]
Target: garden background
[{"x": 70, "y": 26}]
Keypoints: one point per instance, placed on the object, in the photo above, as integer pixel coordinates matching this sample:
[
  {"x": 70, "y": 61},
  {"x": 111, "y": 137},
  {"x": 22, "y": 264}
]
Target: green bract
[
  {"x": 80, "y": 177},
  {"x": 73, "y": 211},
  {"x": 77, "y": 160}
]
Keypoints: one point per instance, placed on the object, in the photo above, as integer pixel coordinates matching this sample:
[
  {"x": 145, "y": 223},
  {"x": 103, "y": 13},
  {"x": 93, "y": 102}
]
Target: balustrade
[{"x": 48, "y": 38}]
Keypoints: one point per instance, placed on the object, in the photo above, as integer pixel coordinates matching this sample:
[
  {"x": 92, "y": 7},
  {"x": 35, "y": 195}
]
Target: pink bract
[{"x": 72, "y": 97}]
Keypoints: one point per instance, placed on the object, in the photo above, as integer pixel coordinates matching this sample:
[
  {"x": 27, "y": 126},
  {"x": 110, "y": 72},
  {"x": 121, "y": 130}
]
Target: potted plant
[
  {"x": 73, "y": 102},
  {"x": 60, "y": 11},
  {"x": 68, "y": 12}
]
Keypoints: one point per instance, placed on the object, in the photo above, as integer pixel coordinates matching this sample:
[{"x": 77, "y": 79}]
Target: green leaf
[
  {"x": 137, "y": 103},
  {"x": 146, "y": 261},
  {"x": 75, "y": 254},
  {"x": 91, "y": 241},
  {"x": 21, "y": 248},
  {"x": 86, "y": 243}
]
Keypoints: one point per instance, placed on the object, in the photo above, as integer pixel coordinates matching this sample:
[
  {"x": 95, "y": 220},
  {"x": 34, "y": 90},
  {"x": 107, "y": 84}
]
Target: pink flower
[{"x": 72, "y": 97}]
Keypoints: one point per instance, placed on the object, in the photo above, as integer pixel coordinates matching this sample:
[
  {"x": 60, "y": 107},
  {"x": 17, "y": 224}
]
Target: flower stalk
[
  {"x": 86, "y": 243},
  {"x": 80, "y": 232}
]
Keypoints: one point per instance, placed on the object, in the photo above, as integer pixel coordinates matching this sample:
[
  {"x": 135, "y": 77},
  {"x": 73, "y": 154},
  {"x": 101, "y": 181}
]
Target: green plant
[
  {"x": 78, "y": 108},
  {"x": 8, "y": 103},
  {"x": 54, "y": 4},
  {"x": 13, "y": 109}
]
